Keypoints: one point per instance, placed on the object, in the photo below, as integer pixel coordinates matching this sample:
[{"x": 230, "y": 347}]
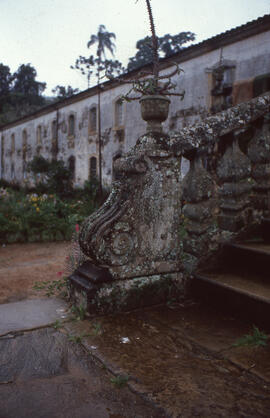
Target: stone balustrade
[
  {"x": 156, "y": 228},
  {"x": 225, "y": 194}
]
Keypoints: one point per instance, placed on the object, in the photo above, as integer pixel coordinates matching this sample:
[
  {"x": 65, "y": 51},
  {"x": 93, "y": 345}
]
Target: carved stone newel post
[{"x": 132, "y": 241}]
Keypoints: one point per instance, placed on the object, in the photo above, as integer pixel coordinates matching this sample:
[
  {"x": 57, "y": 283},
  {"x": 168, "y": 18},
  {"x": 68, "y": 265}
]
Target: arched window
[
  {"x": 12, "y": 171},
  {"x": 24, "y": 144},
  {"x": 2, "y": 155},
  {"x": 54, "y": 129},
  {"x": 38, "y": 135},
  {"x": 12, "y": 143},
  {"x": 93, "y": 119},
  {"x": 119, "y": 113},
  {"x": 92, "y": 168},
  {"x": 71, "y": 125},
  {"x": 71, "y": 166}
]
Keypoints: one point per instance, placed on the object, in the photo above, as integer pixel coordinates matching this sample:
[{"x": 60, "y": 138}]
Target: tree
[
  {"x": 63, "y": 92},
  {"x": 96, "y": 64},
  {"x": 167, "y": 45},
  {"x": 85, "y": 66},
  {"x": 99, "y": 65},
  {"x": 5, "y": 87},
  {"x": 25, "y": 82},
  {"x": 20, "y": 93},
  {"x": 5, "y": 80}
]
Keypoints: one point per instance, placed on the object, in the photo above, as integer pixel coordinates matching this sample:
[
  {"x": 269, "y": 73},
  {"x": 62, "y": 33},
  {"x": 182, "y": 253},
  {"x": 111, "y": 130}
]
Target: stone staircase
[{"x": 240, "y": 284}]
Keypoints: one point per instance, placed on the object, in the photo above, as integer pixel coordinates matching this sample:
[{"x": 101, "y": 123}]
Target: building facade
[{"x": 217, "y": 73}]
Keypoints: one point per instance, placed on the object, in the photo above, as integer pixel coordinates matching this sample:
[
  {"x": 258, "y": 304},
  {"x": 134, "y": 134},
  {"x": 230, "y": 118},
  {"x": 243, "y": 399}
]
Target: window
[
  {"x": 92, "y": 168},
  {"x": 93, "y": 119},
  {"x": 12, "y": 143},
  {"x": 24, "y": 150},
  {"x": 54, "y": 129},
  {"x": 12, "y": 171},
  {"x": 71, "y": 125},
  {"x": 24, "y": 144},
  {"x": 119, "y": 113},
  {"x": 221, "y": 78},
  {"x": 2, "y": 155},
  {"x": 38, "y": 137},
  {"x": 71, "y": 166}
]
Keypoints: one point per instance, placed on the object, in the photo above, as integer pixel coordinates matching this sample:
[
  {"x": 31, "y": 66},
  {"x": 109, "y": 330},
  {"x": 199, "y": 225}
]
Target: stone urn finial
[{"x": 154, "y": 110}]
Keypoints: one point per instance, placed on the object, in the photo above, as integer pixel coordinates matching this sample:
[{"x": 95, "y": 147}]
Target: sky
[{"x": 51, "y": 34}]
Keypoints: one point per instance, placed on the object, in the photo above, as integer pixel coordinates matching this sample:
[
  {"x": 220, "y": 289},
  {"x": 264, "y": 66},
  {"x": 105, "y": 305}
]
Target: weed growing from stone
[
  {"x": 79, "y": 312},
  {"x": 257, "y": 339},
  {"x": 57, "y": 324},
  {"x": 120, "y": 381},
  {"x": 97, "y": 329}
]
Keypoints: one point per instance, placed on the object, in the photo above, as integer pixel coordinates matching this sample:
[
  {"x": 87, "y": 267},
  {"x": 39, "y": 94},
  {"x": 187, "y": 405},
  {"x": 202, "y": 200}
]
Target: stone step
[
  {"x": 246, "y": 297},
  {"x": 265, "y": 230},
  {"x": 240, "y": 284},
  {"x": 248, "y": 258}
]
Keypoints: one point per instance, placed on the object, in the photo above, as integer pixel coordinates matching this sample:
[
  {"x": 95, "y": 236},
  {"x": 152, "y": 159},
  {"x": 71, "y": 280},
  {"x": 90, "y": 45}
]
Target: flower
[
  {"x": 77, "y": 227},
  {"x": 59, "y": 273},
  {"x": 37, "y": 209}
]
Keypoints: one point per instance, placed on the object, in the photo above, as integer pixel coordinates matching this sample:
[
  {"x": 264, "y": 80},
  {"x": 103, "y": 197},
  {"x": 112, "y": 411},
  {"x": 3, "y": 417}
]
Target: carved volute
[{"x": 136, "y": 231}]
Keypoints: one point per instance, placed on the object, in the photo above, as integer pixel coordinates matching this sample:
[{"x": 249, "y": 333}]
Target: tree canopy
[
  {"x": 167, "y": 45},
  {"x": 98, "y": 62},
  {"x": 20, "y": 93},
  {"x": 63, "y": 92}
]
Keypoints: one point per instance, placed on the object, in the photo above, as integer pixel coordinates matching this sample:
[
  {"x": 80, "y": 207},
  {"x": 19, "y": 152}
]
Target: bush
[
  {"x": 33, "y": 217},
  {"x": 50, "y": 210},
  {"x": 56, "y": 178}
]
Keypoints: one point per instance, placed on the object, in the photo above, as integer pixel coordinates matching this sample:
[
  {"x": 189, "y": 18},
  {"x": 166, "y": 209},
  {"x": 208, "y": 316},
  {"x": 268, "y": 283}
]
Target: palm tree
[{"x": 103, "y": 39}]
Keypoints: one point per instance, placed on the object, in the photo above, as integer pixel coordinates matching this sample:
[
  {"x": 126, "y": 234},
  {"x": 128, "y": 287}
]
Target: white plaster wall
[{"x": 251, "y": 55}]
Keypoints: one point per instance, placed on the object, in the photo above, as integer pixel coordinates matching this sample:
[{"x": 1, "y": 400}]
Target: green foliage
[
  {"x": 257, "y": 339},
  {"x": 57, "y": 178},
  {"x": 57, "y": 324},
  {"x": 120, "y": 381},
  {"x": 98, "y": 63},
  {"x": 52, "y": 288},
  {"x": 20, "y": 93},
  {"x": 33, "y": 217},
  {"x": 63, "y": 92},
  {"x": 167, "y": 46},
  {"x": 79, "y": 312},
  {"x": 97, "y": 329}
]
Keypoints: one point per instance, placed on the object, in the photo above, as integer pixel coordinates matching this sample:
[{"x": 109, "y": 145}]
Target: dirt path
[
  {"x": 182, "y": 359},
  {"x": 22, "y": 265}
]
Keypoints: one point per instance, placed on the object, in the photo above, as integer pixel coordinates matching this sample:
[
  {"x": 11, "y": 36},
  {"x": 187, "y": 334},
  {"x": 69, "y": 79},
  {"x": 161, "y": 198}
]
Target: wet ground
[{"x": 175, "y": 361}]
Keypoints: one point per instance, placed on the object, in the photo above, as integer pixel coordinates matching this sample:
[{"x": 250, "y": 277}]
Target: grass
[
  {"x": 57, "y": 324},
  {"x": 119, "y": 381},
  {"x": 257, "y": 339},
  {"x": 53, "y": 287},
  {"x": 97, "y": 329}
]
